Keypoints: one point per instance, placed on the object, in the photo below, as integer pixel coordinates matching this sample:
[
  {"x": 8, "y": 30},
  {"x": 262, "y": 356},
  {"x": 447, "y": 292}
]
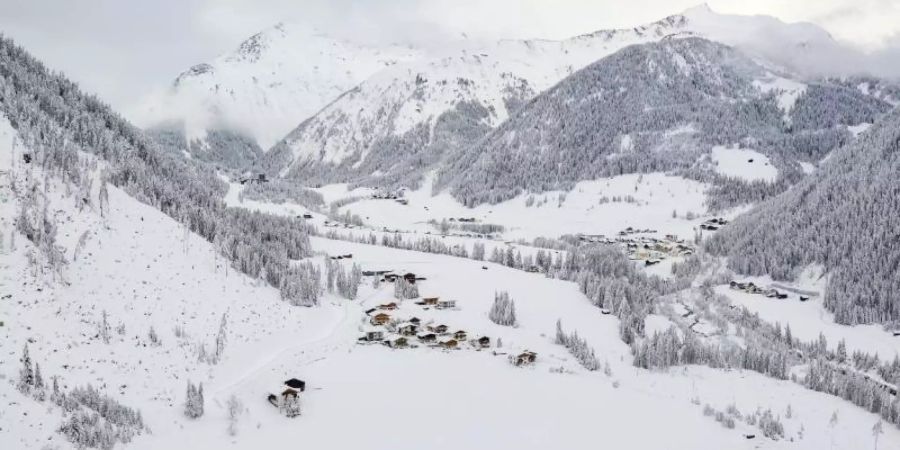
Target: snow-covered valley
[{"x": 677, "y": 235}]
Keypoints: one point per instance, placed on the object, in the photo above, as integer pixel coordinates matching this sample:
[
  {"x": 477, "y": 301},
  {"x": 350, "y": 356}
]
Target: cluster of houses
[
  {"x": 713, "y": 224},
  {"x": 396, "y": 333},
  {"x": 751, "y": 288},
  {"x": 401, "y": 333},
  {"x": 389, "y": 276},
  {"x": 333, "y": 224},
  {"x": 632, "y": 230},
  {"x": 347, "y": 256},
  {"x": 650, "y": 249},
  {"x": 251, "y": 179},
  {"x": 395, "y": 196}
]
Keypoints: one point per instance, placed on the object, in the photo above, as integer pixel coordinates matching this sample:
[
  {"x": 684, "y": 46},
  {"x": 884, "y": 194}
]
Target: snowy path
[{"x": 337, "y": 337}]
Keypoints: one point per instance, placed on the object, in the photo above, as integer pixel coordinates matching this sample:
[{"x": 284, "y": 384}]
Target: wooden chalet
[
  {"x": 448, "y": 344},
  {"x": 484, "y": 342},
  {"x": 415, "y": 321},
  {"x": 407, "y": 329},
  {"x": 439, "y": 329},
  {"x": 400, "y": 342},
  {"x": 523, "y": 358},
  {"x": 428, "y": 338},
  {"x": 380, "y": 319},
  {"x": 460, "y": 335},
  {"x": 388, "y": 306},
  {"x": 430, "y": 300}
]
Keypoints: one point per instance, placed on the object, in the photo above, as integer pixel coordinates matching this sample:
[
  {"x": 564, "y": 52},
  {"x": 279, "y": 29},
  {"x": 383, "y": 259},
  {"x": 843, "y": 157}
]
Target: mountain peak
[{"x": 701, "y": 9}]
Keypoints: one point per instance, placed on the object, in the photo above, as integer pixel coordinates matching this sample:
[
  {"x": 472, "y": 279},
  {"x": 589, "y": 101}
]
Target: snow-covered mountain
[
  {"x": 271, "y": 82},
  {"x": 410, "y": 115},
  {"x": 843, "y": 219},
  {"x": 130, "y": 275},
  {"x": 658, "y": 107}
]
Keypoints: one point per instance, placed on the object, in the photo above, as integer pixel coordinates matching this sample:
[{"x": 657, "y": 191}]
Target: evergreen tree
[
  {"x": 26, "y": 373},
  {"x": 503, "y": 311}
]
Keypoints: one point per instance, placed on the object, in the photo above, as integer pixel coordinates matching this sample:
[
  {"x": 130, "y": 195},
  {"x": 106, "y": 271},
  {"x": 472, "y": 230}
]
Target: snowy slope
[
  {"x": 269, "y": 83},
  {"x": 140, "y": 267}
]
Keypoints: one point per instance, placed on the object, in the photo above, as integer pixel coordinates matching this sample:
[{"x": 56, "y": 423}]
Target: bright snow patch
[
  {"x": 787, "y": 91},
  {"x": 742, "y": 163}
]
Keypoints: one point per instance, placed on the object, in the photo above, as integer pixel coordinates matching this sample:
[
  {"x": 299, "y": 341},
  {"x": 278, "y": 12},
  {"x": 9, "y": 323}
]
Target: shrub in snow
[
  {"x": 770, "y": 425},
  {"x": 235, "y": 408},
  {"x": 291, "y": 406}
]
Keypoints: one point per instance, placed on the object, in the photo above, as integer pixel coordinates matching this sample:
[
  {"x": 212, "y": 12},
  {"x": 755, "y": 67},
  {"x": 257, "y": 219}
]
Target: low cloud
[{"x": 124, "y": 50}]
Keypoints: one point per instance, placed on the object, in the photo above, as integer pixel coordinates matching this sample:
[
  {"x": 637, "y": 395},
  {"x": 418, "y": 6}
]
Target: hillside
[
  {"x": 844, "y": 219},
  {"x": 69, "y": 133}
]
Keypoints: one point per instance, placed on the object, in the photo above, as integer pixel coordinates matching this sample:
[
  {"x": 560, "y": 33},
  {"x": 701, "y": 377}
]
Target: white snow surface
[
  {"x": 144, "y": 269},
  {"x": 743, "y": 163},
  {"x": 588, "y": 208}
]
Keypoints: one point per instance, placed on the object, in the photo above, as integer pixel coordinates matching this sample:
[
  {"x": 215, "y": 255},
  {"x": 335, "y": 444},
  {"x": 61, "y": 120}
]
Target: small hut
[
  {"x": 294, "y": 383},
  {"x": 460, "y": 335},
  {"x": 446, "y": 304},
  {"x": 439, "y": 329},
  {"x": 373, "y": 336},
  {"x": 428, "y": 338},
  {"x": 484, "y": 342},
  {"x": 523, "y": 358},
  {"x": 449, "y": 344}
]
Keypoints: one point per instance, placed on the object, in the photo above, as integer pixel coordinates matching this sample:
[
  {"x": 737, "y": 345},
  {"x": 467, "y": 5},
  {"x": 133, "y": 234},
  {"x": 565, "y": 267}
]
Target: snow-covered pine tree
[
  {"x": 503, "y": 311},
  {"x": 103, "y": 329},
  {"x": 478, "y": 251},
  {"x": 404, "y": 289},
  {"x": 193, "y": 403},
  {"x": 26, "y": 372},
  {"x": 39, "y": 391},
  {"x": 221, "y": 337}
]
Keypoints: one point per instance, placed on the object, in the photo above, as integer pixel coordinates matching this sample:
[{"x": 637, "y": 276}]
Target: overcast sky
[{"x": 122, "y": 49}]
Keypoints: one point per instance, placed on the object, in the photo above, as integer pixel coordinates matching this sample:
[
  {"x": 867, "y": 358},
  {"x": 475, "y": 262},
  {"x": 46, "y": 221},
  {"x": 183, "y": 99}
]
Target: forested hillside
[
  {"x": 657, "y": 107},
  {"x": 844, "y": 218},
  {"x": 62, "y": 125}
]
